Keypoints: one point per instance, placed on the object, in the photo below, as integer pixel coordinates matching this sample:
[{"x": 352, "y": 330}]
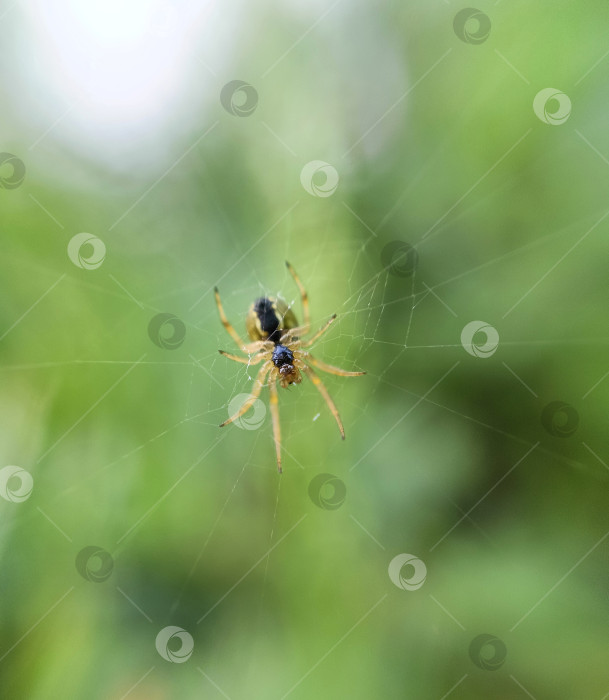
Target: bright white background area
[{"x": 112, "y": 78}]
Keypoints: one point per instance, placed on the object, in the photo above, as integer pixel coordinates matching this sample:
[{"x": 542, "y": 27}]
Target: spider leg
[
  {"x": 291, "y": 336},
  {"x": 244, "y": 360},
  {"x": 274, "y": 404},
  {"x": 256, "y": 389},
  {"x": 320, "y": 332},
  {"x": 305, "y": 300},
  {"x": 331, "y": 369},
  {"x": 257, "y": 345},
  {"x": 324, "y": 392},
  {"x": 225, "y": 322}
]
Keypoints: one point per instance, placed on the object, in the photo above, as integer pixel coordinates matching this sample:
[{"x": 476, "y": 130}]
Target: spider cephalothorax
[
  {"x": 276, "y": 340},
  {"x": 286, "y": 361}
]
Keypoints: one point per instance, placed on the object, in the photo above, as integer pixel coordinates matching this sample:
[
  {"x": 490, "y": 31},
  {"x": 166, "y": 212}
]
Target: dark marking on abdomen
[{"x": 267, "y": 316}]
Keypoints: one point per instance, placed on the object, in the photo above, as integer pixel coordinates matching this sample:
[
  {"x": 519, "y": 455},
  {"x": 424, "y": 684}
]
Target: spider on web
[{"x": 277, "y": 341}]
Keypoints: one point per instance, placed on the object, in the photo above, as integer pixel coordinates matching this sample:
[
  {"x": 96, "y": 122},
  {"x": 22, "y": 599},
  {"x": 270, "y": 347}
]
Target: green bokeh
[{"x": 436, "y": 145}]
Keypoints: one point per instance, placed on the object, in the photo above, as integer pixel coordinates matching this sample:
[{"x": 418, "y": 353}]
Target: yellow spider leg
[
  {"x": 288, "y": 336},
  {"x": 304, "y": 297},
  {"x": 320, "y": 332},
  {"x": 274, "y": 404},
  {"x": 252, "y": 348},
  {"x": 324, "y": 392},
  {"x": 244, "y": 360},
  {"x": 331, "y": 369},
  {"x": 256, "y": 389},
  {"x": 225, "y": 322}
]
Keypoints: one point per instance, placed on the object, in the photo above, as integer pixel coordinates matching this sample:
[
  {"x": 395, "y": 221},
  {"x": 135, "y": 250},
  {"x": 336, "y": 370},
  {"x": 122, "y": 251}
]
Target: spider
[{"x": 276, "y": 341}]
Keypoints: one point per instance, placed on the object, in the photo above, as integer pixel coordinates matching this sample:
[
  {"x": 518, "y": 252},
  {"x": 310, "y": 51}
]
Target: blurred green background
[{"x": 428, "y": 121}]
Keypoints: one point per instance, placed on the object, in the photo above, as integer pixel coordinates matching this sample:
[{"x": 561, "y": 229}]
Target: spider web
[
  {"x": 372, "y": 297},
  {"x": 404, "y": 329},
  {"x": 367, "y": 297}
]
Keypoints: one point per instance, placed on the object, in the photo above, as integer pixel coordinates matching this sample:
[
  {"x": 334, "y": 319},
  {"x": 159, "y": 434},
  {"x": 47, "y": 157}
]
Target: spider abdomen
[{"x": 268, "y": 319}]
